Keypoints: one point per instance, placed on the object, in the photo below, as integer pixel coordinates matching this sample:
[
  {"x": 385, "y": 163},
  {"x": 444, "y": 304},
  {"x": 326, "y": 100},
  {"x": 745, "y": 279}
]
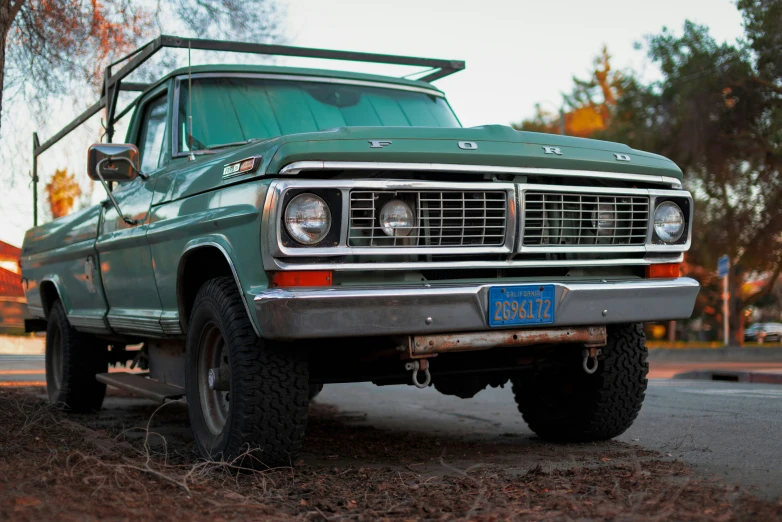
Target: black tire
[
  {"x": 565, "y": 404},
  {"x": 266, "y": 403},
  {"x": 72, "y": 361}
]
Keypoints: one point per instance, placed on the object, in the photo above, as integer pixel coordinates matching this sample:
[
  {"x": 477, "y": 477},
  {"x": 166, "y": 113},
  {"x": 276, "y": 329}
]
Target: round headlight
[
  {"x": 669, "y": 222},
  {"x": 604, "y": 219},
  {"x": 307, "y": 219},
  {"x": 397, "y": 218}
]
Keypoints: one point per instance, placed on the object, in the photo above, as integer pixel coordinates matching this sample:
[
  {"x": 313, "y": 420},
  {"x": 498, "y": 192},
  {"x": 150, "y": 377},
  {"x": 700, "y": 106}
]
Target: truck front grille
[
  {"x": 553, "y": 219},
  {"x": 443, "y": 218}
]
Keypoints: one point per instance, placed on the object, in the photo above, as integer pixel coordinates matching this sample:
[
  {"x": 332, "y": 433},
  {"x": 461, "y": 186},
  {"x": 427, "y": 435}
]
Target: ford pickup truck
[{"x": 269, "y": 230}]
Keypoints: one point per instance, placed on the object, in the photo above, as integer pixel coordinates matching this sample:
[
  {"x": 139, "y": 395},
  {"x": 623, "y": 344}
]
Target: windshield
[{"x": 233, "y": 110}]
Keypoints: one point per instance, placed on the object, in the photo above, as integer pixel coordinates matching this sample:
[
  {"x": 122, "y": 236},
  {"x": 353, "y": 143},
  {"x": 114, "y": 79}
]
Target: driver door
[{"x": 125, "y": 254}]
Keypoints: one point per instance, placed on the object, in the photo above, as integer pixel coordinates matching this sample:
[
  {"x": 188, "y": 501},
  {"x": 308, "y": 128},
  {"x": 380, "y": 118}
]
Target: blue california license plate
[{"x": 521, "y": 304}]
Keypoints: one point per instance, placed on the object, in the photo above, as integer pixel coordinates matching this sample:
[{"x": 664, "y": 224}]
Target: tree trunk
[
  {"x": 5, "y": 26},
  {"x": 736, "y": 307},
  {"x": 8, "y": 11}
]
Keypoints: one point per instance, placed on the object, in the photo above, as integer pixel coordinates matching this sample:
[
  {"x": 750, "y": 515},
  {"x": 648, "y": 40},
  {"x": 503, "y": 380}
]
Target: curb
[
  {"x": 732, "y": 376},
  {"x": 731, "y": 354}
]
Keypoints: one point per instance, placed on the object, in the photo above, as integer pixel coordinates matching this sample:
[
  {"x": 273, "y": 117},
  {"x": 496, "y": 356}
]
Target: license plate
[{"x": 521, "y": 304}]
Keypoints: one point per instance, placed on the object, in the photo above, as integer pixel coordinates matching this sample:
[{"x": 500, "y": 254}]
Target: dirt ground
[{"x": 142, "y": 466}]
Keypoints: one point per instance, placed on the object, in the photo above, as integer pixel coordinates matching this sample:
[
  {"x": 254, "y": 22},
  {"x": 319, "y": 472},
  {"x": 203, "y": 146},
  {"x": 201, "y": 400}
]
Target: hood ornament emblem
[
  {"x": 379, "y": 144},
  {"x": 468, "y": 145}
]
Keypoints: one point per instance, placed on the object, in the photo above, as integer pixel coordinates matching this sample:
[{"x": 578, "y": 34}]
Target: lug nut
[{"x": 218, "y": 379}]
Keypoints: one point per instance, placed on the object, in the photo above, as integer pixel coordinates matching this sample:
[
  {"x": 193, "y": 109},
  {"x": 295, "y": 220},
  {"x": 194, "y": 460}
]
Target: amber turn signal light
[
  {"x": 663, "y": 271},
  {"x": 301, "y": 278}
]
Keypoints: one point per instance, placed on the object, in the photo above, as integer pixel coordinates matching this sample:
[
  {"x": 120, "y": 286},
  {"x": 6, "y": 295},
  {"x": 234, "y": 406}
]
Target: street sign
[{"x": 723, "y": 266}]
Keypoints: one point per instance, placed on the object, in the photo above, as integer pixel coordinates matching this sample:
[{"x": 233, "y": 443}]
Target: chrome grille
[
  {"x": 571, "y": 219},
  {"x": 443, "y": 218}
]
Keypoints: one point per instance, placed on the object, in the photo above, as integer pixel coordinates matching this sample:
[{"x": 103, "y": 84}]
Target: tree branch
[
  {"x": 766, "y": 289},
  {"x": 767, "y": 84}
]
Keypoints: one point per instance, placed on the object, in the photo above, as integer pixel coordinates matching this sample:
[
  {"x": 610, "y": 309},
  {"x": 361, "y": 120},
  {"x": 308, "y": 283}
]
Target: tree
[
  {"x": 49, "y": 46},
  {"x": 589, "y": 107},
  {"x": 716, "y": 112},
  {"x": 62, "y": 192}
]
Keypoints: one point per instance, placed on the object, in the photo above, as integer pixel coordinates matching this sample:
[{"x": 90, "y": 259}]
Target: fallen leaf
[{"x": 27, "y": 501}]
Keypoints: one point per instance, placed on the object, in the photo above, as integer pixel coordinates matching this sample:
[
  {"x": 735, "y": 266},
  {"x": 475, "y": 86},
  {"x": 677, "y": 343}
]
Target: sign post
[{"x": 723, "y": 267}]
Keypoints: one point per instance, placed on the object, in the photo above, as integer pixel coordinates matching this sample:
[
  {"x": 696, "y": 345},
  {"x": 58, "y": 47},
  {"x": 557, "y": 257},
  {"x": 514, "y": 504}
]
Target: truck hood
[
  {"x": 493, "y": 145},
  {"x": 497, "y": 145}
]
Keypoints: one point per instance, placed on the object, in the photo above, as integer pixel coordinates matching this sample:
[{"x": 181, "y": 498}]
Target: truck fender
[
  {"x": 51, "y": 288},
  {"x": 216, "y": 243}
]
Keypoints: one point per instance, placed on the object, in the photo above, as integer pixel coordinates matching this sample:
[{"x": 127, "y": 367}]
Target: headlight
[
  {"x": 669, "y": 222},
  {"x": 307, "y": 219},
  {"x": 397, "y": 218},
  {"x": 604, "y": 219}
]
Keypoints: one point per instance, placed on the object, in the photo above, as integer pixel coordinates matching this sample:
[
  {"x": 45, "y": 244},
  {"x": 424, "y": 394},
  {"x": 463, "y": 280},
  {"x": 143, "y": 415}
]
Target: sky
[{"x": 517, "y": 53}]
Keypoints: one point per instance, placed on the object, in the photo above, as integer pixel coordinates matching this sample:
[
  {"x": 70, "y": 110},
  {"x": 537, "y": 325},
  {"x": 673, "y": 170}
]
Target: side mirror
[{"x": 113, "y": 162}]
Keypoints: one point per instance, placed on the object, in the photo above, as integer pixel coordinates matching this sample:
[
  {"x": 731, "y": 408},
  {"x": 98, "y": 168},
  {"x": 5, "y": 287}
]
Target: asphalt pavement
[{"x": 731, "y": 431}]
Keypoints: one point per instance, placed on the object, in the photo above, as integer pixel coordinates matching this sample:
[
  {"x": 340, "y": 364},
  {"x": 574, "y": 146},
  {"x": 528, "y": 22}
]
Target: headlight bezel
[
  {"x": 333, "y": 201},
  {"x": 684, "y": 206}
]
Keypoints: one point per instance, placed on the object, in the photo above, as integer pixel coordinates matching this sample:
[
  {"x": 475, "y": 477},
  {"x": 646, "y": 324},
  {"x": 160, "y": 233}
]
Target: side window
[{"x": 152, "y": 134}]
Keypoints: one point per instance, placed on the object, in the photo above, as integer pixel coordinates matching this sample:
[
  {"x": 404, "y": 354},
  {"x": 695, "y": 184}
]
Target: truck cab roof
[{"x": 299, "y": 71}]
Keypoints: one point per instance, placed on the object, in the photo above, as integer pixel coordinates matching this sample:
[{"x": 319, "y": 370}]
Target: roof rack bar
[
  {"x": 451, "y": 66},
  {"x": 136, "y": 58},
  {"x": 81, "y": 118},
  {"x": 133, "y": 86}
]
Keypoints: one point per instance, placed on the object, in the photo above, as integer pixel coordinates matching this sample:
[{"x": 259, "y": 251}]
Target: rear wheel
[
  {"x": 247, "y": 397},
  {"x": 72, "y": 361},
  {"x": 564, "y": 403}
]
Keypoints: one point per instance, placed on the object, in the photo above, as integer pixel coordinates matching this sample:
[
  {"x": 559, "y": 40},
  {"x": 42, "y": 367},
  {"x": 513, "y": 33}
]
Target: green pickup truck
[{"x": 270, "y": 230}]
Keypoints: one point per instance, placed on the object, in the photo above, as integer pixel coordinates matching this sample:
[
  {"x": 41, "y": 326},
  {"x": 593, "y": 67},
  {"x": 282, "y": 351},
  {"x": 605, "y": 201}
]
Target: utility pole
[{"x": 723, "y": 268}]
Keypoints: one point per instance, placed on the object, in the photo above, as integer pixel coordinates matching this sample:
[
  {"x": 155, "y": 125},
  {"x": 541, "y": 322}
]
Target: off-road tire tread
[
  {"x": 83, "y": 357},
  {"x": 270, "y": 412},
  {"x": 604, "y": 404}
]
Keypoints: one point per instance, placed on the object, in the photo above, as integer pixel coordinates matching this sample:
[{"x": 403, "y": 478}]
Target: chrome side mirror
[{"x": 113, "y": 162}]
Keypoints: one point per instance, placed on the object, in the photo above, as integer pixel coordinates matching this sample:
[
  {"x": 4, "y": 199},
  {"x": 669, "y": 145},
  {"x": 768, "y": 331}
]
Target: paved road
[
  {"x": 22, "y": 370},
  {"x": 729, "y": 430}
]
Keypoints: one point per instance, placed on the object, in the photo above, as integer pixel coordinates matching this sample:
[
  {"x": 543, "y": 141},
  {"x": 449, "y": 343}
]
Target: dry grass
[{"x": 53, "y": 467}]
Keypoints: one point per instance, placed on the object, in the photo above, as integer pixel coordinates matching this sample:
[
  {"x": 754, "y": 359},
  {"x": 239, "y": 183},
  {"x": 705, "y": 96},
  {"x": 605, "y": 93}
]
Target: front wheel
[
  {"x": 565, "y": 404},
  {"x": 247, "y": 398}
]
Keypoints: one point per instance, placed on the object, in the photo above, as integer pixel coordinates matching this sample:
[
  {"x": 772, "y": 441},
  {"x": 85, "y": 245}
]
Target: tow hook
[
  {"x": 591, "y": 353},
  {"x": 416, "y": 366}
]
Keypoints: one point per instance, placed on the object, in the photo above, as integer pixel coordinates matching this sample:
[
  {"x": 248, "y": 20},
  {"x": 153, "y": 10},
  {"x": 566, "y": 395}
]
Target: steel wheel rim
[
  {"x": 212, "y": 354},
  {"x": 56, "y": 355}
]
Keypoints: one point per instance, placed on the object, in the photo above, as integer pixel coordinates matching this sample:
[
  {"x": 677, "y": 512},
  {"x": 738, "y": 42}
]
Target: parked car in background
[{"x": 761, "y": 332}]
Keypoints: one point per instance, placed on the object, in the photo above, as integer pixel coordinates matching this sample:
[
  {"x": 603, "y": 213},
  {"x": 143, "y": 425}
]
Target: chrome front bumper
[{"x": 310, "y": 313}]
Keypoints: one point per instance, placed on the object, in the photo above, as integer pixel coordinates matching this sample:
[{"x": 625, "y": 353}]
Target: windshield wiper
[{"x": 232, "y": 144}]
